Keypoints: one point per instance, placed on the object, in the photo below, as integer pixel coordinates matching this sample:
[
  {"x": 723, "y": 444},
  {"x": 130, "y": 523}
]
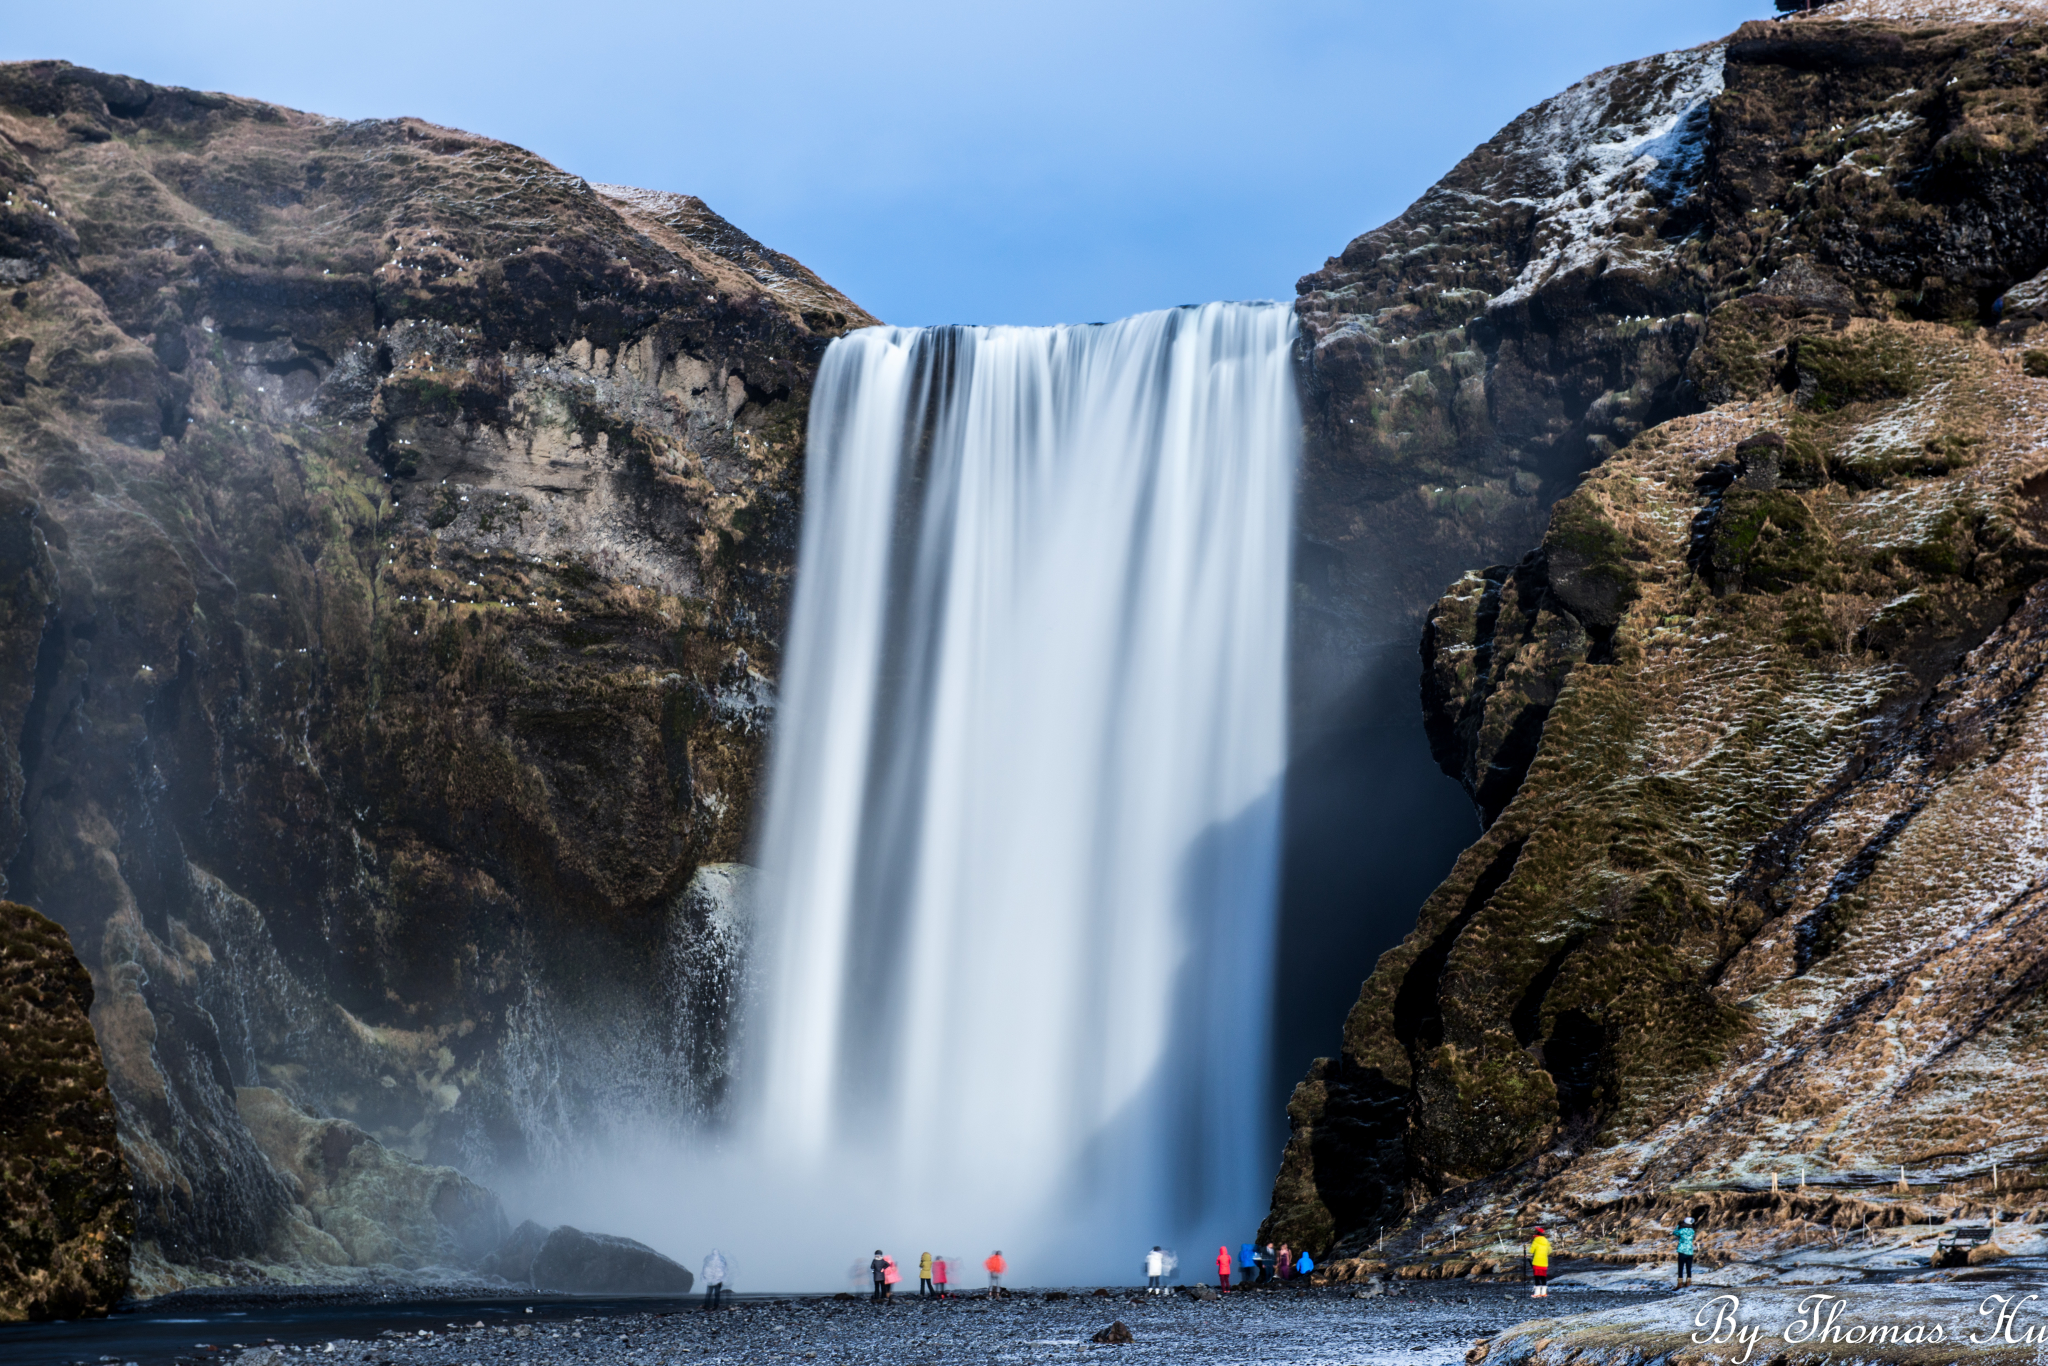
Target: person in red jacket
[
  {"x": 1223, "y": 1265},
  {"x": 995, "y": 1266}
]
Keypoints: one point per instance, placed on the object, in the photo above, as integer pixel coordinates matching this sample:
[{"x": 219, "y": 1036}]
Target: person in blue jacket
[
  {"x": 1247, "y": 1264},
  {"x": 1686, "y": 1235}
]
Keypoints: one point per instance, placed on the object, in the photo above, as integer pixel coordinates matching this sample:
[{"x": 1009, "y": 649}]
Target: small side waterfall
[{"x": 1020, "y": 845}]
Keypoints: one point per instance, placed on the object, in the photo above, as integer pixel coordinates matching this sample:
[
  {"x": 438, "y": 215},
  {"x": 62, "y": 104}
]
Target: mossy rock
[
  {"x": 1830, "y": 373},
  {"x": 1743, "y": 350},
  {"x": 2035, "y": 363},
  {"x": 1588, "y": 569},
  {"x": 66, "y": 1214},
  {"x": 1767, "y": 541}
]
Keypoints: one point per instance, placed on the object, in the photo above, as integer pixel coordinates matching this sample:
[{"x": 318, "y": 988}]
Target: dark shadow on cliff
[{"x": 1369, "y": 826}]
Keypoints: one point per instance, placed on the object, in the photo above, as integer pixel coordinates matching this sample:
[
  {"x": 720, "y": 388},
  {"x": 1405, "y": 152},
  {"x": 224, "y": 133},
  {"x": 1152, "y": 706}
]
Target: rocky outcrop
[
  {"x": 66, "y": 1216},
  {"x": 1753, "y": 726},
  {"x": 1541, "y": 305},
  {"x": 356, "y": 1198},
  {"x": 395, "y": 533}
]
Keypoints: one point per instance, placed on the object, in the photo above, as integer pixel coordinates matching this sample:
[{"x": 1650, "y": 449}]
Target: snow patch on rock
[{"x": 1616, "y": 146}]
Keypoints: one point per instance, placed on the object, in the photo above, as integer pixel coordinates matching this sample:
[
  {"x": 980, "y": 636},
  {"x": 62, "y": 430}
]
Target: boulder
[
  {"x": 578, "y": 1263},
  {"x": 1116, "y": 1332},
  {"x": 2028, "y": 299},
  {"x": 513, "y": 1258},
  {"x": 1203, "y": 1292}
]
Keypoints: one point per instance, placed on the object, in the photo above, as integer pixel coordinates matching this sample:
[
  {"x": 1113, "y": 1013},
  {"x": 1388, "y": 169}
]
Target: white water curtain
[{"x": 1023, "y": 806}]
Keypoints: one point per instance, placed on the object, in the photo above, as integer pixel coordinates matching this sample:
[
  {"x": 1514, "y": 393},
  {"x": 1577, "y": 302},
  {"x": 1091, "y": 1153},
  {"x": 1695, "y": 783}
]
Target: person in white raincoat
[{"x": 714, "y": 1279}]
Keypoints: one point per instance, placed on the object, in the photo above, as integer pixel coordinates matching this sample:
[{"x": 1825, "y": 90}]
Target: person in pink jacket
[{"x": 1223, "y": 1265}]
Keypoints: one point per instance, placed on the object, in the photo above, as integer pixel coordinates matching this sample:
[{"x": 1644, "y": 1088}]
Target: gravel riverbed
[{"x": 1420, "y": 1328}]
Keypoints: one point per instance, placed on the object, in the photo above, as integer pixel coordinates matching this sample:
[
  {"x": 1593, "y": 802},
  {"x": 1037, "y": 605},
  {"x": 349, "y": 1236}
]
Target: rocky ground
[{"x": 1423, "y": 1327}]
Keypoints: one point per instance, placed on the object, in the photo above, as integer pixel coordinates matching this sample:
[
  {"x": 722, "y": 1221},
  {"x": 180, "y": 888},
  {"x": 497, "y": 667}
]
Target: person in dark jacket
[{"x": 879, "y": 1269}]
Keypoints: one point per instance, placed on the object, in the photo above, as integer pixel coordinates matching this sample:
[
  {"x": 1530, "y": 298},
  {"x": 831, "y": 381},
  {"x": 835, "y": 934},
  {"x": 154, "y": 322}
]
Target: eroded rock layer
[
  {"x": 395, "y": 533},
  {"x": 1754, "y": 724}
]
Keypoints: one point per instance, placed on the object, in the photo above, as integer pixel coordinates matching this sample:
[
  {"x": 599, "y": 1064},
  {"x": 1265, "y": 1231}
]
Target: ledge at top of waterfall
[{"x": 1021, "y": 832}]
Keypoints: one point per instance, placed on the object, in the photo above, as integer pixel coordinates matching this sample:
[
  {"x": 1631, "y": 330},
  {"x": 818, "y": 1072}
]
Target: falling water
[{"x": 1019, "y": 853}]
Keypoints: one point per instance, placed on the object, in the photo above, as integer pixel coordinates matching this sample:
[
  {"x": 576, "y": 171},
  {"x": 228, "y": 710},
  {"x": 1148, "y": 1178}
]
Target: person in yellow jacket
[
  {"x": 924, "y": 1275},
  {"x": 1539, "y": 1264}
]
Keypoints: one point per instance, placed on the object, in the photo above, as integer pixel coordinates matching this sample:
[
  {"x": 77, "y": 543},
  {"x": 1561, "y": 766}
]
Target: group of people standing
[
  {"x": 1256, "y": 1265},
  {"x": 934, "y": 1275}
]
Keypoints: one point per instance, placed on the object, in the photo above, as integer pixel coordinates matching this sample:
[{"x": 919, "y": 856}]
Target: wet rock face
[
  {"x": 357, "y": 1203},
  {"x": 395, "y": 536},
  {"x": 1755, "y": 656},
  {"x": 65, "y": 1209}
]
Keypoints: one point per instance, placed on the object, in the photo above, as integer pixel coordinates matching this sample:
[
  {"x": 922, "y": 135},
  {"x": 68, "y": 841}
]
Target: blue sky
[{"x": 942, "y": 160}]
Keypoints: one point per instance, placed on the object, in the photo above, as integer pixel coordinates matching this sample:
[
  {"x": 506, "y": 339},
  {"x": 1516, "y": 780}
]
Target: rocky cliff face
[
  {"x": 65, "y": 1208},
  {"x": 395, "y": 533},
  {"x": 1753, "y": 723}
]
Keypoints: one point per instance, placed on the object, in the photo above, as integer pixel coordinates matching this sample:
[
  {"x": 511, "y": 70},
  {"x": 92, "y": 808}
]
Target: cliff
[
  {"x": 1753, "y": 723},
  {"x": 395, "y": 535}
]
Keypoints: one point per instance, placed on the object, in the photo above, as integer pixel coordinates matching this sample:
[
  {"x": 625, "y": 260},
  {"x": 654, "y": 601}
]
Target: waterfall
[{"x": 1022, "y": 819}]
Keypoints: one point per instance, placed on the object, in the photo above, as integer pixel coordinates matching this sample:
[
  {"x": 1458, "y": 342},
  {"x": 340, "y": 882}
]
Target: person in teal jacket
[{"x": 1686, "y": 1235}]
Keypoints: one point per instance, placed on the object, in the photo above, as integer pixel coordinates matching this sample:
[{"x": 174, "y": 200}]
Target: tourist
[
  {"x": 890, "y": 1276},
  {"x": 924, "y": 1275},
  {"x": 1304, "y": 1263},
  {"x": 995, "y": 1266},
  {"x": 1686, "y": 1234},
  {"x": 1283, "y": 1265},
  {"x": 1247, "y": 1264},
  {"x": 714, "y": 1279},
  {"x": 1262, "y": 1263},
  {"x": 1539, "y": 1265},
  {"x": 939, "y": 1274},
  {"x": 1223, "y": 1267},
  {"x": 1155, "y": 1271},
  {"x": 879, "y": 1269}
]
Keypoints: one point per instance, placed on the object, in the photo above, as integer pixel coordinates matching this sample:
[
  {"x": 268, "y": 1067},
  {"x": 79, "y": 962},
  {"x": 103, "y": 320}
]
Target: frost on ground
[
  {"x": 1981, "y": 1322},
  {"x": 1424, "y": 1328},
  {"x": 1934, "y": 11}
]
